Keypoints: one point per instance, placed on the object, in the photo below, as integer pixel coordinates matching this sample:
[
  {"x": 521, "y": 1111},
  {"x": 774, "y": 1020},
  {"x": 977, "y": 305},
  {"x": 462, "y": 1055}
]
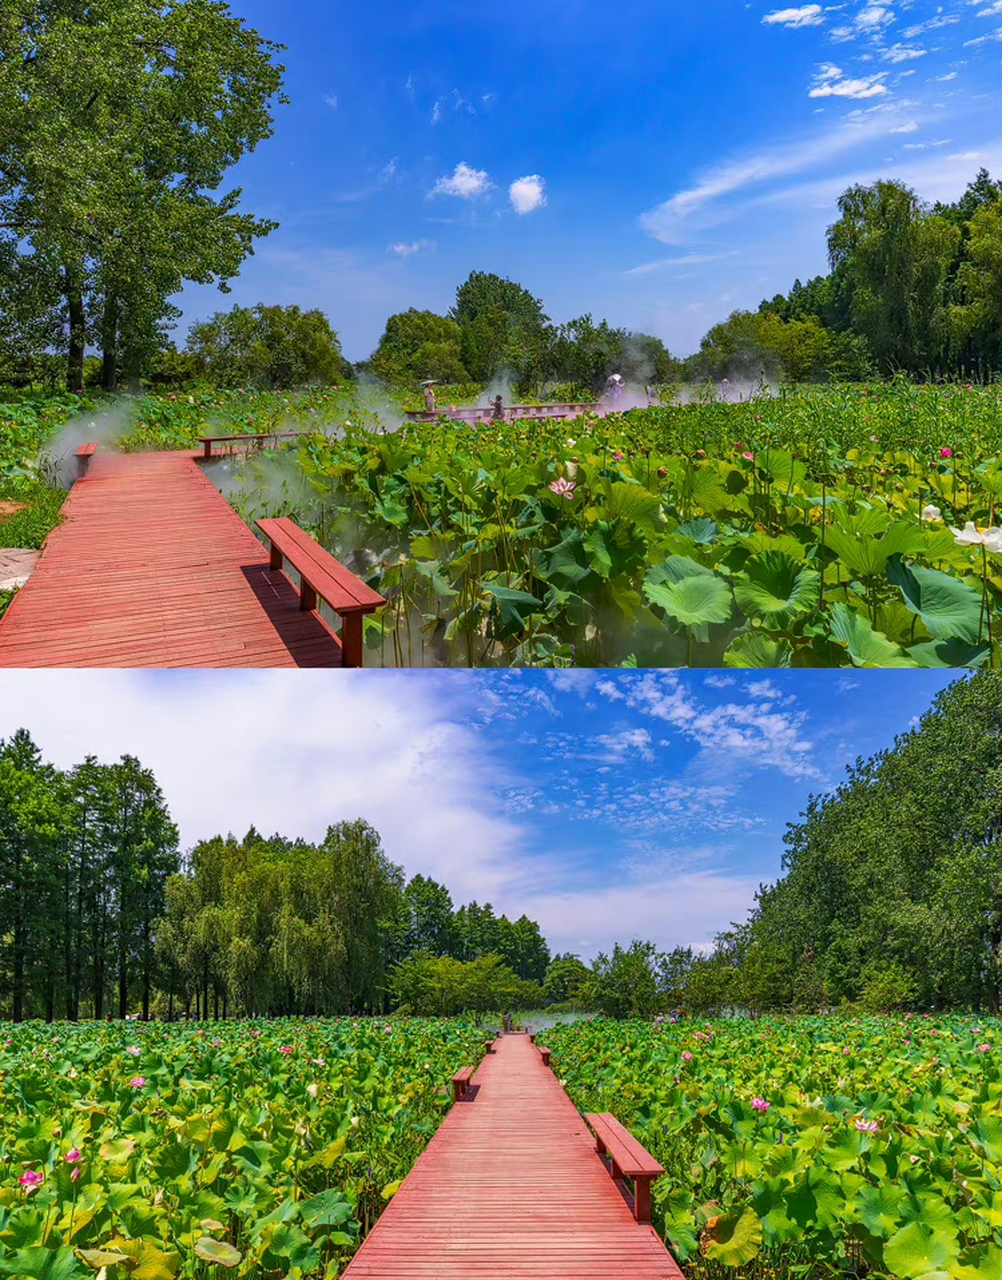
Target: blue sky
[
  {"x": 673, "y": 161},
  {"x": 606, "y": 805}
]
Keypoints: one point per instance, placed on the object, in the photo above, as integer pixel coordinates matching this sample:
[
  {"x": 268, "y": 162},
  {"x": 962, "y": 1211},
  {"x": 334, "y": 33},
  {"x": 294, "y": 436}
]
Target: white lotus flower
[
  {"x": 932, "y": 513},
  {"x": 972, "y": 536}
]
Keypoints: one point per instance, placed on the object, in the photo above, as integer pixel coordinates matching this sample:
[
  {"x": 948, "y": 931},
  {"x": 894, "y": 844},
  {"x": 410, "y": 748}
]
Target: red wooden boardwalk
[
  {"x": 510, "y": 1186},
  {"x": 151, "y": 567}
]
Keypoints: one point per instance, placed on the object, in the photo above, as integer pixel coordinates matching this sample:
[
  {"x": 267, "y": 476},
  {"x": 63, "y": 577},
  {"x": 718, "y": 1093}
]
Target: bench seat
[
  {"x": 461, "y": 1082},
  {"x": 83, "y": 457},
  {"x": 544, "y": 1053},
  {"x": 628, "y": 1159},
  {"x": 325, "y": 578}
]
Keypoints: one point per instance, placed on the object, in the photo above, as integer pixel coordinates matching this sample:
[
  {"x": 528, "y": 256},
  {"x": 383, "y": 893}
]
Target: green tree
[
  {"x": 895, "y": 256},
  {"x": 267, "y": 347},
  {"x": 632, "y": 982},
  {"x": 503, "y": 328},
  {"x": 439, "y": 986},
  {"x": 565, "y": 976},
  {"x": 118, "y": 122},
  {"x": 417, "y": 345}
]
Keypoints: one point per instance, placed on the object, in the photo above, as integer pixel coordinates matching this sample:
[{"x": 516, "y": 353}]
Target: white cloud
[
  {"x": 464, "y": 182},
  {"x": 527, "y": 194},
  {"x": 831, "y": 83},
  {"x": 384, "y": 748},
  {"x": 991, "y": 10},
  {"x": 902, "y": 53},
  {"x": 873, "y": 17},
  {"x": 808, "y": 15},
  {"x": 910, "y": 127},
  {"x": 686, "y": 260},
  {"x": 934, "y": 24},
  {"x": 331, "y": 99},
  {"x": 404, "y": 250},
  {"x": 988, "y": 39},
  {"x": 617, "y": 746},
  {"x": 749, "y": 734}
]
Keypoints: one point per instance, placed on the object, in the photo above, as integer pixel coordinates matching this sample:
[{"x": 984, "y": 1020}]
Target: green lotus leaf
[
  {"x": 776, "y": 588},
  {"x": 218, "y": 1252},
  {"x": 950, "y": 609},
  {"x": 867, "y": 648},
  {"x": 117, "y": 1151},
  {"x": 328, "y": 1209},
  {"x": 632, "y": 502},
  {"x": 701, "y": 530},
  {"x": 984, "y": 1263},
  {"x": 917, "y": 1249},
  {"x": 879, "y": 1208},
  {"x": 757, "y": 649},
  {"x": 688, "y": 592},
  {"x": 949, "y": 653},
  {"x": 511, "y": 608},
  {"x": 735, "y": 1238}
]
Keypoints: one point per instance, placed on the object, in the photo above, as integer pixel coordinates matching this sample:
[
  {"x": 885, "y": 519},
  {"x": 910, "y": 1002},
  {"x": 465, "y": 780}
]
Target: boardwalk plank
[
  {"x": 151, "y": 567},
  {"x": 510, "y": 1186}
]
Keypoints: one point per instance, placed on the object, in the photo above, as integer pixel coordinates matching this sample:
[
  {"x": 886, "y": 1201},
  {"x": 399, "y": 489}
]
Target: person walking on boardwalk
[
  {"x": 497, "y": 409},
  {"x": 429, "y": 397}
]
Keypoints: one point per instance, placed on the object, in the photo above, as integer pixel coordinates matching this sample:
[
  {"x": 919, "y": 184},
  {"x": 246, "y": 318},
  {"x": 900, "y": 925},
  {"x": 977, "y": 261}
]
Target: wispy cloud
[
  {"x": 831, "y": 82},
  {"x": 672, "y": 222},
  {"x": 332, "y": 101},
  {"x": 685, "y": 260},
  {"x": 808, "y": 15}
]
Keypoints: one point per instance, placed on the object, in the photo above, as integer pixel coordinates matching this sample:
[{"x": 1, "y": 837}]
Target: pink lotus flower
[
  {"x": 137, "y": 1082},
  {"x": 564, "y": 488},
  {"x": 847, "y": 1051},
  {"x": 387, "y": 1028},
  {"x": 75, "y": 1175},
  {"x": 749, "y": 456},
  {"x": 286, "y": 1048},
  {"x": 984, "y": 1048},
  {"x": 133, "y": 1050},
  {"x": 687, "y": 1056},
  {"x": 867, "y": 1126},
  {"x": 760, "y": 1104},
  {"x": 946, "y": 453},
  {"x": 73, "y": 1157},
  {"x": 30, "y": 1179},
  {"x": 619, "y": 457}
]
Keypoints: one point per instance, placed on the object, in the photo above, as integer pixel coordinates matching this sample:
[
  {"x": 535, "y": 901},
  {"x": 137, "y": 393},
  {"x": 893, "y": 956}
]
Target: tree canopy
[{"x": 269, "y": 347}]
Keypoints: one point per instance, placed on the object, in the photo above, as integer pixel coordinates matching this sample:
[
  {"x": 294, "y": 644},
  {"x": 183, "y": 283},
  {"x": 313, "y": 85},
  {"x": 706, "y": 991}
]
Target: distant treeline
[{"x": 100, "y": 916}]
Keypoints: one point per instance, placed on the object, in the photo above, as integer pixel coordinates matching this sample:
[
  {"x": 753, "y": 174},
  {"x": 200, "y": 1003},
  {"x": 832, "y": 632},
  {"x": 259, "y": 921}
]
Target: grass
[{"x": 42, "y": 510}]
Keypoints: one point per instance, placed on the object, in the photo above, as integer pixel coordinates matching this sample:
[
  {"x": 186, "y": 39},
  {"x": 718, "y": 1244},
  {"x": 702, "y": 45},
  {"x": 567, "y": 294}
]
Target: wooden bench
[
  {"x": 489, "y": 1046},
  {"x": 83, "y": 456},
  {"x": 324, "y": 577},
  {"x": 258, "y": 438},
  {"x": 461, "y": 1082},
  {"x": 544, "y": 1053},
  {"x": 627, "y": 1159}
]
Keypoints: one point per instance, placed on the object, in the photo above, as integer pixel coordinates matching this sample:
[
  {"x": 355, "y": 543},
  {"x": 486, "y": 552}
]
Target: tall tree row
[{"x": 84, "y": 861}]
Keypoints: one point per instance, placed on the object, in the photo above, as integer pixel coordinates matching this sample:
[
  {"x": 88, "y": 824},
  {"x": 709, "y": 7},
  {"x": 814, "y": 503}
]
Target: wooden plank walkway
[
  {"x": 151, "y": 567},
  {"x": 510, "y": 1186}
]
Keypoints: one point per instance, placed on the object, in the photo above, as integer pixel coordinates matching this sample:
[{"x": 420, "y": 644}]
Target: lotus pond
[
  {"x": 825, "y": 526},
  {"x": 813, "y": 1146},
  {"x": 158, "y": 1151}
]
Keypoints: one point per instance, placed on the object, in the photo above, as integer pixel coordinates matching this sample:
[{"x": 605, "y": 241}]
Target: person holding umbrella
[{"x": 429, "y": 396}]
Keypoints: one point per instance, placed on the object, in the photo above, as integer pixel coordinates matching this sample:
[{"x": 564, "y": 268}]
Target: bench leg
[
  {"x": 352, "y": 644},
  {"x": 207, "y": 452},
  {"x": 457, "y": 1091},
  {"x": 642, "y": 1199},
  {"x": 307, "y": 597},
  {"x": 277, "y": 559}
]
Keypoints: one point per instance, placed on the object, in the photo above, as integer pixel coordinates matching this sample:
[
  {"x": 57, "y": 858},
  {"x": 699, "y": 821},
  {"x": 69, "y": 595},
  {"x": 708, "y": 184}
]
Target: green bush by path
[
  {"x": 269, "y": 1147},
  {"x": 809, "y": 1147}
]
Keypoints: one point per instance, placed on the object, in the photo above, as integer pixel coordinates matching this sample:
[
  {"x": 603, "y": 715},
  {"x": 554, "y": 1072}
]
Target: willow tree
[{"x": 118, "y": 121}]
